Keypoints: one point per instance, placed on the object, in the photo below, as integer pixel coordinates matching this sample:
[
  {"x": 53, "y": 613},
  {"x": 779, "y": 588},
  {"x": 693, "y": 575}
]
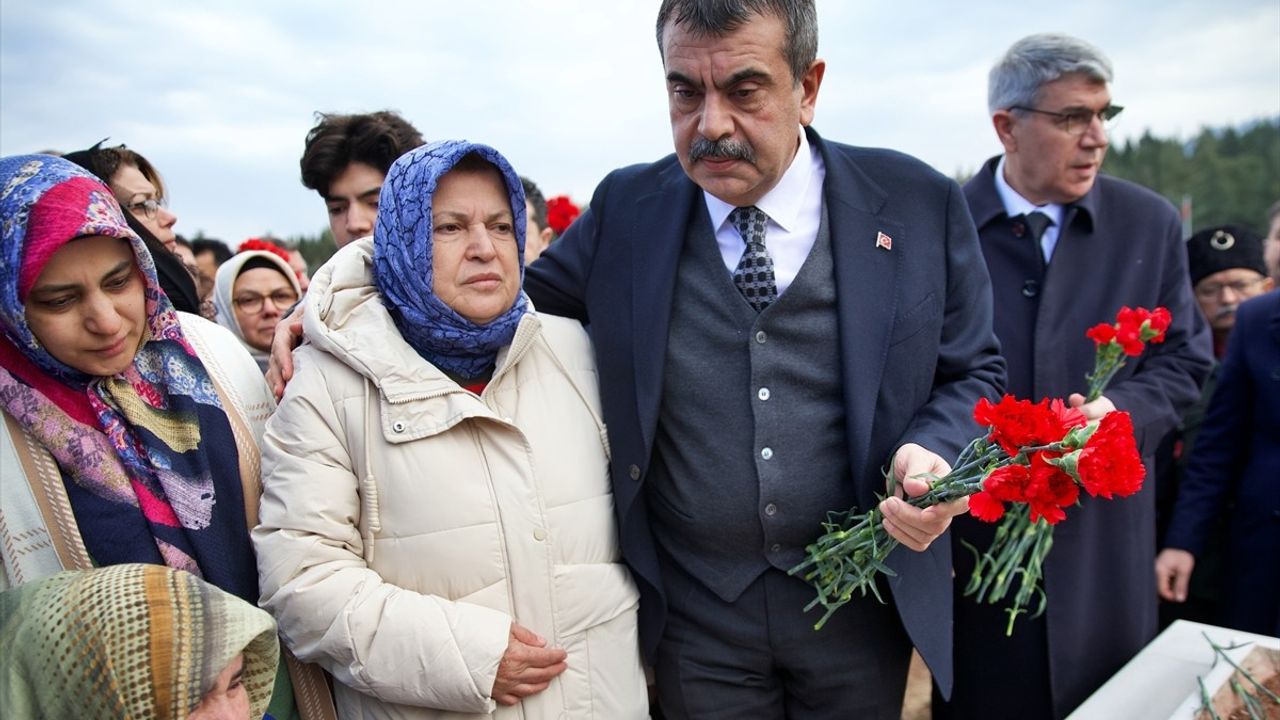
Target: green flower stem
[
  {"x": 1251, "y": 703},
  {"x": 852, "y": 552},
  {"x": 1017, "y": 553},
  {"x": 1222, "y": 652},
  {"x": 1109, "y": 360},
  {"x": 1206, "y": 703}
]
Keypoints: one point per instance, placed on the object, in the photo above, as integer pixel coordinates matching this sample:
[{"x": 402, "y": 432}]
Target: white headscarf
[{"x": 224, "y": 286}]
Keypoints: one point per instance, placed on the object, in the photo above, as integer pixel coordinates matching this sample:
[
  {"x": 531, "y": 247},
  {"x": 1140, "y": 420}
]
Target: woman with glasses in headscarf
[
  {"x": 251, "y": 292},
  {"x": 130, "y": 430},
  {"x": 437, "y": 525}
]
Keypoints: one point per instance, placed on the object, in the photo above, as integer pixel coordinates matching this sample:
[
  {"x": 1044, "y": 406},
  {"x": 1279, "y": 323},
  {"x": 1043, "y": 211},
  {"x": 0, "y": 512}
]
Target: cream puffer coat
[{"x": 407, "y": 522}]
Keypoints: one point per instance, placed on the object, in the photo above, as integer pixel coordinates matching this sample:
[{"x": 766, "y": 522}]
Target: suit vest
[{"x": 750, "y": 449}]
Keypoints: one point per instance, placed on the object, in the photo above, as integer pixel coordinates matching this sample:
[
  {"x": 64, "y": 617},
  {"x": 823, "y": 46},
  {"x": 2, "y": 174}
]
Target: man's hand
[
  {"x": 1173, "y": 573},
  {"x": 527, "y": 667},
  {"x": 287, "y": 337},
  {"x": 912, "y": 526},
  {"x": 1092, "y": 410}
]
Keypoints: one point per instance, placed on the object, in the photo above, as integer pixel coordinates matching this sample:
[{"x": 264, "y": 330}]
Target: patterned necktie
[{"x": 754, "y": 274}]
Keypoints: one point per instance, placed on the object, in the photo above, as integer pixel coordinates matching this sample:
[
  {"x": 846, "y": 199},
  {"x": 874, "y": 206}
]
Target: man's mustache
[
  {"x": 1225, "y": 312},
  {"x": 726, "y": 148}
]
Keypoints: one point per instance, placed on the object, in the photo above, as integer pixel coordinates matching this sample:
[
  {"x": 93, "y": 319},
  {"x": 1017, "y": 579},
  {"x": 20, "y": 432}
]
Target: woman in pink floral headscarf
[{"x": 130, "y": 430}]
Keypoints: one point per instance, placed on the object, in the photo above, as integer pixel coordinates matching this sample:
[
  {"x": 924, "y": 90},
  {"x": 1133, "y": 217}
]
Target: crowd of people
[{"x": 475, "y": 468}]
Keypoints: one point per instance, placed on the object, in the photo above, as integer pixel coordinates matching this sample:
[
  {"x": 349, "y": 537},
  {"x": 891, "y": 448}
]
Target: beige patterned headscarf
[{"x": 127, "y": 641}]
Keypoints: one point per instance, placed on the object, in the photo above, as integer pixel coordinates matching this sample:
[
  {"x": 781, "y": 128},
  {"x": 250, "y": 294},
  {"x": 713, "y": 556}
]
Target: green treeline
[
  {"x": 1232, "y": 175},
  {"x": 315, "y": 249}
]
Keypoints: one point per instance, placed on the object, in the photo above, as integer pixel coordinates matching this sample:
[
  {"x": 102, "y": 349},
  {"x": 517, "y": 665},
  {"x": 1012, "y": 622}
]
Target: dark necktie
[
  {"x": 754, "y": 274},
  {"x": 1037, "y": 222}
]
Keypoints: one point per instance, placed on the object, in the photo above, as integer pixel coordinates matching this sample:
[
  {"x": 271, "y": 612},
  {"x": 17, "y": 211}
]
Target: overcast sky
[{"x": 219, "y": 95}]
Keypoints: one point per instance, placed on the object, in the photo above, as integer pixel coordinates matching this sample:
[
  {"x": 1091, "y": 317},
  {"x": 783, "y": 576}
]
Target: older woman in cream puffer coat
[{"x": 411, "y": 518}]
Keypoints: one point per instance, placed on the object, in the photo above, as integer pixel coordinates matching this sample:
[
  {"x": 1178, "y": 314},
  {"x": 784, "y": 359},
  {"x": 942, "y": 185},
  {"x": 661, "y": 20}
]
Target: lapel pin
[{"x": 884, "y": 241}]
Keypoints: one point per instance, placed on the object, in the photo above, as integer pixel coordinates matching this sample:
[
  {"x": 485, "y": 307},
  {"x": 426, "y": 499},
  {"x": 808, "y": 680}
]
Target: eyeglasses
[
  {"x": 252, "y": 302},
  {"x": 148, "y": 207},
  {"x": 1076, "y": 122},
  {"x": 1239, "y": 287}
]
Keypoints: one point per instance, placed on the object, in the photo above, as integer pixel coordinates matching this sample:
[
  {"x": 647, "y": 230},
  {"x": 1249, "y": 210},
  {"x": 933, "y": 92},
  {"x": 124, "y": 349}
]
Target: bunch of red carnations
[{"x": 1024, "y": 472}]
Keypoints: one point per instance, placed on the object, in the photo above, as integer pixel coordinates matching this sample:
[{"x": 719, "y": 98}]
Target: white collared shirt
[
  {"x": 1015, "y": 205},
  {"x": 794, "y": 207}
]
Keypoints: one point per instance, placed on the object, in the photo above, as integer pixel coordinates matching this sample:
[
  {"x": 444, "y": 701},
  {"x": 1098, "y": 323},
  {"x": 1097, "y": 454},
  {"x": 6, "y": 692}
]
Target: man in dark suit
[
  {"x": 1066, "y": 248},
  {"x": 751, "y": 384},
  {"x": 1236, "y": 457},
  {"x": 775, "y": 316}
]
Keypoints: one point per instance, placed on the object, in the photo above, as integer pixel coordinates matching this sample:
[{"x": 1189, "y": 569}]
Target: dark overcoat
[
  {"x": 916, "y": 345},
  {"x": 1120, "y": 245}
]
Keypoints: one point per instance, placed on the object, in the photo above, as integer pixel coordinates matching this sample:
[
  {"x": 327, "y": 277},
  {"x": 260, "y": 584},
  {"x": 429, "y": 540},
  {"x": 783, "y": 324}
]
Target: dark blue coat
[
  {"x": 1237, "y": 455},
  {"x": 917, "y": 348},
  {"x": 1120, "y": 244}
]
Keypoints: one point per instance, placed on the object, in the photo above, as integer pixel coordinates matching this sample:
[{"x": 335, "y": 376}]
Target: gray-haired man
[{"x": 1066, "y": 248}]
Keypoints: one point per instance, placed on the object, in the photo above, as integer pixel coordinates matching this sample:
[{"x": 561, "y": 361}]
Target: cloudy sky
[{"x": 219, "y": 95}]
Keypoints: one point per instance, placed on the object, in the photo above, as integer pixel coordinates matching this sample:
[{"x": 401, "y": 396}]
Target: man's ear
[
  {"x": 809, "y": 85},
  {"x": 1004, "y": 123}
]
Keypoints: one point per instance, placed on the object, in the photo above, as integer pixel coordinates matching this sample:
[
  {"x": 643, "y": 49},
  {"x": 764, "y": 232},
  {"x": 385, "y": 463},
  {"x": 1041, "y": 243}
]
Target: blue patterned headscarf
[
  {"x": 148, "y": 455},
  {"x": 402, "y": 251}
]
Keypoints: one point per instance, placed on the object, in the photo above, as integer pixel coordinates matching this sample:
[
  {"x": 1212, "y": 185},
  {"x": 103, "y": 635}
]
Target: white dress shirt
[
  {"x": 794, "y": 207},
  {"x": 1015, "y": 205}
]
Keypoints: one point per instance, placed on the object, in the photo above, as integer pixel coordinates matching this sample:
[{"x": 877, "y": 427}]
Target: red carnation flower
[
  {"x": 1049, "y": 490},
  {"x": 1130, "y": 340},
  {"x": 1102, "y": 333},
  {"x": 1017, "y": 424},
  {"x": 267, "y": 245},
  {"x": 1008, "y": 483},
  {"x": 561, "y": 212},
  {"x": 1158, "y": 324},
  {"x": 1109, "y": 464},
  {"x": 985, "y": 507}
]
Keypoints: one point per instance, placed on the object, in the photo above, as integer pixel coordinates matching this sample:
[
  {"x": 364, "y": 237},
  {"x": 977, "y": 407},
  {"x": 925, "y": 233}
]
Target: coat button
[
  {"x": 776, "y": 548},
  {"x": 761, "y": 337},
  {"x": 763, "y": 394},
  {"x": 634, "y": 472},
  {"x": 539, "y": 534},
  {"x": 397, "y": 426},
  {"x": 767, "y": 453},
  {"x": 770, "y": 509},
  {"x": 1030, "y": 288}
]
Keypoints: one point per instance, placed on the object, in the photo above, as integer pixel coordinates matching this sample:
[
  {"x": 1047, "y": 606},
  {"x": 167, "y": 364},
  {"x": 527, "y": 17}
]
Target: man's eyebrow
[
  {"x": 1082, "y": 108},
  {"x": 371, "y": 192},
  {"x": 742, "y": 75},
  {"x": 678, "y": 77},
  {"x": 746, "y": 74}
]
